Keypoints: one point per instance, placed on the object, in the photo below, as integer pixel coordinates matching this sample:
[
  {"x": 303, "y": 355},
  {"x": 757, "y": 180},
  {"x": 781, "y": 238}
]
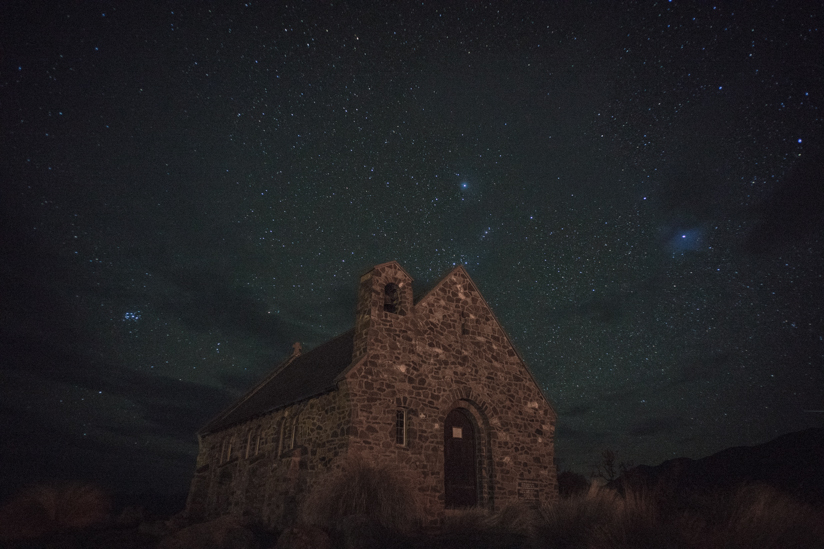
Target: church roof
[{"x": 297, "y": 379}]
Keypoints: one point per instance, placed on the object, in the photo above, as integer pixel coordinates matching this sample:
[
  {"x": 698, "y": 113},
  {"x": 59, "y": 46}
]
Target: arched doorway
[{"x": 460, "y": 464}]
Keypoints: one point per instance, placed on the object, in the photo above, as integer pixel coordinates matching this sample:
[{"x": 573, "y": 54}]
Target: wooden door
[{"x": 460, "y": 478}]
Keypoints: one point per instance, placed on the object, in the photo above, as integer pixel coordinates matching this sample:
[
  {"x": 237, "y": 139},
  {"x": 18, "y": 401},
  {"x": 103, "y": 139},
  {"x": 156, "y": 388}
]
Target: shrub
[
  {"x": 373, "y": 492},
  {"x": 570, "y": 522},
  {"x": 761, "y": 516},
  {"x": 45, "y": 509},
  {"x": 749, "y": 516},
  {"x": 466, "y": 521},
  {"x": 571, "y": 484},
  {"x": 637, "y": 521},
  {"x": 516, "y": 518},
  {"x": 513, "y": 518}
]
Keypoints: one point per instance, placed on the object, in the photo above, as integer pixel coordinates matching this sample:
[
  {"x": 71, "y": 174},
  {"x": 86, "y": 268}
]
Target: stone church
[{"x": 432, "y": 386}]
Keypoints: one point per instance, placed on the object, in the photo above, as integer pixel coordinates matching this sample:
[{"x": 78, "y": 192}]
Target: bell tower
[{"x": 384, "y": 296}]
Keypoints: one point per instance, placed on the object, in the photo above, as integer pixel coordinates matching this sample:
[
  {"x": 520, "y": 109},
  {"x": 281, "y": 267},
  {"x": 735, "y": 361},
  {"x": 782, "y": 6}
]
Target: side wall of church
[
  {"x": 449, "y": 352},
  {"x": 260, "y": 469}
]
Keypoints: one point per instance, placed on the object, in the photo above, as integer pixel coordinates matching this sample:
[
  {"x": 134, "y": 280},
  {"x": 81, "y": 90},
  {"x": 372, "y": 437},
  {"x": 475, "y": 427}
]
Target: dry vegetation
[
  {"x": 368, "y": 506},
  {"x": 43, "y": 510},
  {"x": 750, "y": 516},
  {"x": 362, "y": 492}
]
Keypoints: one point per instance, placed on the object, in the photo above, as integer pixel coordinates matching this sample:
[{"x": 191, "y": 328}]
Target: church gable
[{"x": 456, "y": 313}]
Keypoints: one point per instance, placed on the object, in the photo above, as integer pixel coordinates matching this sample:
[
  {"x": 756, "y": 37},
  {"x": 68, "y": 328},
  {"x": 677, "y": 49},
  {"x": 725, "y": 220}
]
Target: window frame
[
  {"x": 402, "y": 427},
  {"x": 249, "y": 444}
]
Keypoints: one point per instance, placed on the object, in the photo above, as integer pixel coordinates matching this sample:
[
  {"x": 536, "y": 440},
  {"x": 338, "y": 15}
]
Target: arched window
[
  {"x": 294, "y": 441},
  {"x": 391, "y": 298},
  {"x": 288, "y": 432},
  {"x": 281, "y": 428},
  {"x": 230, "y": 448}
]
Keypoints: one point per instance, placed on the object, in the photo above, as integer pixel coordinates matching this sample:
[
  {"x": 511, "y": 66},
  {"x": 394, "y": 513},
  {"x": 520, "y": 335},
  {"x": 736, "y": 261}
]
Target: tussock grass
[
  {"x": 571, "y": 522},
  {"x": 465, "y": 521},
  {"x": 512, "y": 526},
  {"x": 749, "y": 516},
  {"x": 518, "y": 518},
  {"x": 760, "y": 516},
  {"x": 364, "y": 502},
  {"x": 637, "y": 521},
  {"x": 42, "y": 510},
  {"x": 365, "y": 494},
  {"x": 515, "y": 518}
]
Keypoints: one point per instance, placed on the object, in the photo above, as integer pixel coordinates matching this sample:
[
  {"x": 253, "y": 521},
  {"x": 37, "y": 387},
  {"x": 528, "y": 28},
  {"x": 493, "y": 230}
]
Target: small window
[
  {"x": 248, "y": 445},
  {"x": 294, "y": 440},
  {"x": 391, "y": 298},
  {"x": 274, "y": 438},
  {"x": 223, "y": 450},
  {"x": 281, "y": 429},
  {"x": 288, "y": 438},
  {"x": 229, "y": 448},
  {"x": 400, "y": 427},
  {"x": 257, "y": 444}
]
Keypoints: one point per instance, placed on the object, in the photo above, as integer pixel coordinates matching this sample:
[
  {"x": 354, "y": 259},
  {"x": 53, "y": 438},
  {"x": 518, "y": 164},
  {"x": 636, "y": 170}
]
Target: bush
[
  {"x": 513, "y": 518},
  {"x": 571, "y": 484},
  {"x": 466, "y": 521},
  {"x": 42, "y": 510},
  {"x": 750, "y": 516},
  {"x": 637, "y": 521},
  {"x": 373, "y": 493},
  {"x": 570, "y": 522},
  {"x": 761, "y": 516},
  {"x": 516, "y": 518}
]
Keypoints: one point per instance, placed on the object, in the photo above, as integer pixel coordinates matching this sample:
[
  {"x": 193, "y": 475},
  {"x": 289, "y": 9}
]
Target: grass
[
  {"x": 571, "y": 522},
  {"x": 758, "y": 516},
  {"x": 749, "y": 516},
  {"x": 515, "y": 518},
  {"x": 43, "y": 510},
  {"x": 746, "y": 517},
  {"x": 365, "y": 494},
  {"x": 366, "y": 506},
  {"x": 379, "y": 504}
]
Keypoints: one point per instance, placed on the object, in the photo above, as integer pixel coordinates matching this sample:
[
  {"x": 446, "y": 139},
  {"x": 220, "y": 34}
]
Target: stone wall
[
  {"x": 447, "y": 352},
  {"x": 267, "y": 479}
]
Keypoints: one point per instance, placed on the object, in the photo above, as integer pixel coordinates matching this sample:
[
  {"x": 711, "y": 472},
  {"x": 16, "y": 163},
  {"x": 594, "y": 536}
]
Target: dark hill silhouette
[{"x": 792, "y": 463}]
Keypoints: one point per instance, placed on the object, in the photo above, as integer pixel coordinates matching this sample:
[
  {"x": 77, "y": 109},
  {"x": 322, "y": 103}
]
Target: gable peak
[{"x": 453, "y": 276}]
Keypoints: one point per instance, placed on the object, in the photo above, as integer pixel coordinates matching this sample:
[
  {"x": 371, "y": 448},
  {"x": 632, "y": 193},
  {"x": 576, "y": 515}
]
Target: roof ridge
[
  {"x": 339, "y": 356},
  {"x": 248, "y": 394}
]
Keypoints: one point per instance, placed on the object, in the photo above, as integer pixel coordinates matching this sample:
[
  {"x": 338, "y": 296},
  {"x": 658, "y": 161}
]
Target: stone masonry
[{"x": 411, "y": 364}]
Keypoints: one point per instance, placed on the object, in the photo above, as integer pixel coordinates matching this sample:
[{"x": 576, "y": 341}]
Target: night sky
[{"x": 189, "y": 188}]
